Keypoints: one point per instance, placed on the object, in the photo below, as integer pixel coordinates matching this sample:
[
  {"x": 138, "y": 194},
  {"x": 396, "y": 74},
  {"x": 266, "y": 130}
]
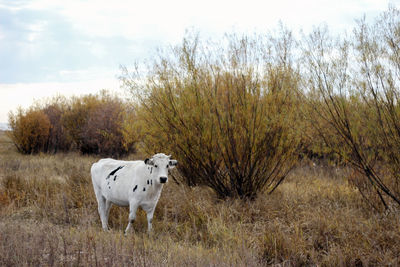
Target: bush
[
  {"x": 226, "y": 116},
  {"x": 355, "y": 95},
  {"x": 94, "y": 124},
  {"x": 58, "y": 135},
  {"x": 29, "y": 130}
]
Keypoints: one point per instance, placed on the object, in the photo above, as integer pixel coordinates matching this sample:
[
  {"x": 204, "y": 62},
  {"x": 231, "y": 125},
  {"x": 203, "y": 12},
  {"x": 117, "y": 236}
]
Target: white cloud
[
  {"x": 91, "y": 74},
  {"x": 131, "y": 19},
  {"x": 98, "y": 50},
  {"x": 169, "y": 19},
  {"x": 35, "y": 30}
]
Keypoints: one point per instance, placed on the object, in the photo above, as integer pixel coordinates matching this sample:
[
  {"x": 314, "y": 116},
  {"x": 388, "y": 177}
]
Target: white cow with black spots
[{"x": 130, "y": 183}]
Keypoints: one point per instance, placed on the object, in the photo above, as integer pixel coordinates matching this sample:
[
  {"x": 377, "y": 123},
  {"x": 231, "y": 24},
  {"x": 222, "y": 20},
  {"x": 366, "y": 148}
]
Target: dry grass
[{"x": 48, "y": 216}]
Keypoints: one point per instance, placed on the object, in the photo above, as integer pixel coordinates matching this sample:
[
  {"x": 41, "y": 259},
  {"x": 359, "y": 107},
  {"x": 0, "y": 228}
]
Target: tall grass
[{"x": 48, "y": 216}]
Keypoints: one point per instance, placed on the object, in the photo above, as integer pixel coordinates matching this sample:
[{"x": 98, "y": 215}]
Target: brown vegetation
[
  {"x": 95, "y": 123},
  {"x": 92, "y": 124},
  {"x": 30, "y": 130}
]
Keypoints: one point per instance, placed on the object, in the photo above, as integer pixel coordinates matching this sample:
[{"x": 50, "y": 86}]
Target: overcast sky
[{"x": 67, "y": 47}]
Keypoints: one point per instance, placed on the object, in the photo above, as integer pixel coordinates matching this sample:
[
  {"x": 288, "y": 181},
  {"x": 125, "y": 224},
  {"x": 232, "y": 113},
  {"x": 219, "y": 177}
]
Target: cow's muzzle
[{"x": 163, "y": 180}]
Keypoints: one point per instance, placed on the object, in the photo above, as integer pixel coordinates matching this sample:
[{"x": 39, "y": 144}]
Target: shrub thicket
[
  {"x": 93, "y": 124},
  {"x": 353, "y": 84},
  {"x": 226, "y": 113},
  {"x": 96, "y": 125}
]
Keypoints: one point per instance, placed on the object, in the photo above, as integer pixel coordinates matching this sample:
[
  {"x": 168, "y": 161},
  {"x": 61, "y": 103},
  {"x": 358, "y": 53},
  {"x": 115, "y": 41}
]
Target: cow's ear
[
  {"x": 149, "y": 161},
  {"x": 173, "y": 163}
]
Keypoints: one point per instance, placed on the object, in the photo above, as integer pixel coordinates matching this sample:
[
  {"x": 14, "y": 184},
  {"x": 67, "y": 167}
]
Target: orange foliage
[{"x": 30, "y": 130}]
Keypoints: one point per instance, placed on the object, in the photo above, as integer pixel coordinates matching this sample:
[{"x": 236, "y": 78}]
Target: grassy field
[{"x": 48, "y": 217}]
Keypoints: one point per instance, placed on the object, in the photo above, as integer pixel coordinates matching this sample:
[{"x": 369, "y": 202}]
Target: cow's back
[{"x": 104, "y": 167}]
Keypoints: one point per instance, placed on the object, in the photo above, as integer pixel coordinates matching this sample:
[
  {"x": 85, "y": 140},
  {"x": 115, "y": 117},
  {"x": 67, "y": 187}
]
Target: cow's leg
[
  {"x": 132, "y": 215},
  {"x": 150, "y": 214},
  {"x": 107, "y": 211},
  {"x": 102, "y": 212},
  {"x": 101, "y": 201}
]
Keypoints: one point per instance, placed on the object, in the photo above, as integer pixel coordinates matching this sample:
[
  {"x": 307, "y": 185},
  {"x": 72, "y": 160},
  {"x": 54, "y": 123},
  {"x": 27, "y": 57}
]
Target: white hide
[{"x": 130, "y": 183}]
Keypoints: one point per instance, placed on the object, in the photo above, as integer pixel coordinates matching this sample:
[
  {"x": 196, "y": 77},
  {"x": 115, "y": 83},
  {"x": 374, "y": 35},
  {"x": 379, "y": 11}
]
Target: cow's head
[{"x": 160, "y": 164}]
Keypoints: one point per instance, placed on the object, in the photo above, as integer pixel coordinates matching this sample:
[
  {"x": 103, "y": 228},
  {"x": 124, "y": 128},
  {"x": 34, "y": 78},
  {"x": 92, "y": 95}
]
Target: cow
[{"x": 130, "y": 183}]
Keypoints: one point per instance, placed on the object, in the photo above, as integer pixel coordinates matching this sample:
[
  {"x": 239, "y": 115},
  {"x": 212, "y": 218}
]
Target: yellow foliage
[
  {"x": 231, "y": 124},
  {"x": 30, "y": 130}
]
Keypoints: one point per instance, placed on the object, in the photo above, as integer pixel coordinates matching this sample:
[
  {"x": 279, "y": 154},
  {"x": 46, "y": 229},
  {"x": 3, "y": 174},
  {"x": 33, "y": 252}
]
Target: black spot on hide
[
  {"x": 151, "y": 181},
  {"x": 151, "y": 170},
  {"x": 109, "y": 187},
  {"x": 144, "y": 189},
  {"x": 115, "y": 177},
  {"x": 134, "y": 189},
  {"x": 114, "y": 171},
  {"x": 148, "y": 182}
]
